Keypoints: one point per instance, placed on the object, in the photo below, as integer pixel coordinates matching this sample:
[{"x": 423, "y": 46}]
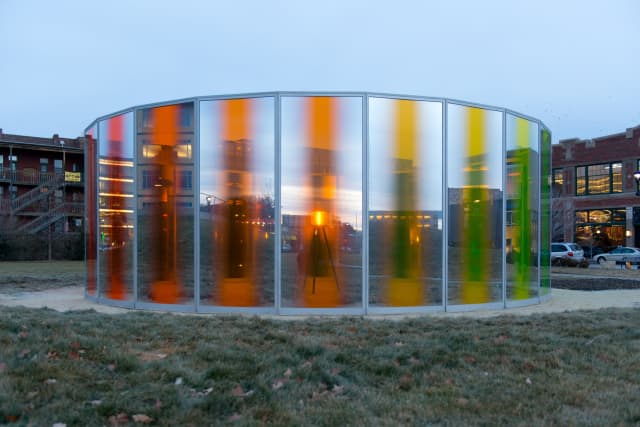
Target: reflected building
[{"x": 318, "y": 203}]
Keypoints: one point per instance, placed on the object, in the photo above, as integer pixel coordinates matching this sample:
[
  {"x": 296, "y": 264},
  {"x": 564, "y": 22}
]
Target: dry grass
[
  {"x": 29, "y": 276},
  {"x": 85, "y": 368}
]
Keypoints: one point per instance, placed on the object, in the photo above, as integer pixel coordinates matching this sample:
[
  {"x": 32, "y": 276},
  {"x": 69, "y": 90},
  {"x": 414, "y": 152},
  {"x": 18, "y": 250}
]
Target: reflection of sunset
[
  {"x": 319, "y": 218},
  {"x": 321, "y": 282}
]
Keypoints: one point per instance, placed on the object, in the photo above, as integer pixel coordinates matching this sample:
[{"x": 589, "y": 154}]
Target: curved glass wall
[
  {"x": 474, "y": 190},
  {"x": 522, "y": 201},
  {"x": 545, "y": 212},
  {"x": 116, "y": 202},
  {"x": 237, "y": 202},
  {"x": 165, "y": 203},
  {"x": 321, "y": 166},
  {"x": 90, "y": 219},
  {"x": 317, "y": 203},
  {"x": 405, "y": 202}
]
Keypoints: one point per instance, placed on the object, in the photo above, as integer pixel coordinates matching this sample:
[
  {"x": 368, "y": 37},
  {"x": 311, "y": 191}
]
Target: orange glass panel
[
  {"x": 91, "y": 213},
  {"x": 114, "y": 259},
  {"x": 321, "y": 261},
  {"x": 165, "y": 204},
  {"x": 166, "y": 285},
  {"x": 234, "y": 234},
  {"x": 115, "y": 195},
  {"x": 321, "y": 282},
  {"x": 236, "y": 208}
]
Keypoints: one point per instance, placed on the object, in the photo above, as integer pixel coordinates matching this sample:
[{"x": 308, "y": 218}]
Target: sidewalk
[{"x": 72, "y": 299}]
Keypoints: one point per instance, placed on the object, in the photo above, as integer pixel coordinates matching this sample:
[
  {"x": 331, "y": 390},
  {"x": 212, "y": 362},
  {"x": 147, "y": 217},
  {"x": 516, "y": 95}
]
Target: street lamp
[{"x": 636, "y": 176}]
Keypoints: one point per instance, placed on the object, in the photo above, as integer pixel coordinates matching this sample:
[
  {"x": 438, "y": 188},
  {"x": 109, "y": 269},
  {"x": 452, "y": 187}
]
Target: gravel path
[{"x": 72, "y": 299}]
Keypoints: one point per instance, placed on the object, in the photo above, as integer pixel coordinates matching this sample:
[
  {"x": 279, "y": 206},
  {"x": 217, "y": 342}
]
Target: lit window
[
  {"x": 150, "y": 151},
  {"x": 183, "y": 150},
  {"x": 558, "y": 181},
  {"x": 599, "y": 179}
]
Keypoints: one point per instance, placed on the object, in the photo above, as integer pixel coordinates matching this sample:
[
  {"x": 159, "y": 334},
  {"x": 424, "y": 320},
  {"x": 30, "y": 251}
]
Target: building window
[
  {"x": 57, "y": 165},
  {"x": 186, "y": 178},
  {"x": 183, "y": 149},
  {"x": 13, "y": 162},
  {"x": 599, "y": 179},
  {"x": 148, "y": 179},
  {"x": 146, "y": 118},
  {"x": 558, "y": 182},
  {"x": 185, "y": 115},
  {"x": 600, "y": 228}
]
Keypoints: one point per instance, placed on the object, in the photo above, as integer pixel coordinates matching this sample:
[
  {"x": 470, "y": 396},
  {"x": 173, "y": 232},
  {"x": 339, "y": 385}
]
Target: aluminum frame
[{"x": 365, "y": 306}]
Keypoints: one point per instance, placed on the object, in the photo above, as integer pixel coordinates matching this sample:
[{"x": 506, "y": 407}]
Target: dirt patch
[
  {"x": 592, "y": 279},
  {"x": 593, "y": 284}
]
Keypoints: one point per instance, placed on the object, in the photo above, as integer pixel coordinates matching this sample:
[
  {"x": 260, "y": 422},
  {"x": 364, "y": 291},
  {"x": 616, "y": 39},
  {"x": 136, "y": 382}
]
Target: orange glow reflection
[
  {"x": 92, "y": 229},
  {"x": 166, "y": 287},
  {"x": 318, "y": 252},
  {"x": 233, "y": 233},
  {"x": 113, "y": 214}
]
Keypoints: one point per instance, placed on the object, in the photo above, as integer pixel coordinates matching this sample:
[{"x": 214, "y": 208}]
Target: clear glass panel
[
  {"x": 474, "y": 172},
  {"x": 165, "y": 204},
  {"x": 321, "y": 201},
  {"x": 405, "y": 202},
  {"x": 521, "y": 239},
  {"x": 545, "y": 214},
  {"x": 116, "y": 205},
  {"x": 90, "y": 219},
  {"x": 237, "y": 206}
]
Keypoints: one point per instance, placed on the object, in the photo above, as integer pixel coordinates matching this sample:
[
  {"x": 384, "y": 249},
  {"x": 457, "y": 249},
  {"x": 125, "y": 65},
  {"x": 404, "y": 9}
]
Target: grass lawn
[
  {"x": 84, "y": 368},
  {"x": 30, "y": 276}
]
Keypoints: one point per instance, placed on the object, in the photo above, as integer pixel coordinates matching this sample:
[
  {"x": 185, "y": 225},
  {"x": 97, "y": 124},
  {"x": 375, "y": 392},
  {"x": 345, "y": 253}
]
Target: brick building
[
  {"x": 594, "y": 191},
  {"x": 41, "y": 183}
]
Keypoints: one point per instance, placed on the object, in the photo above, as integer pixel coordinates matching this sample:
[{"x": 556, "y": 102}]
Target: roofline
[
  {"x": 576, "y": 139},
  {"x": 53, "y": 143},
  {"x": 363, "y": 94}
]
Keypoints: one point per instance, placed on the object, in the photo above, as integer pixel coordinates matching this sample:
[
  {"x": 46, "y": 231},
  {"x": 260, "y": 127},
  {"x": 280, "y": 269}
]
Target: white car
[
  {"x": 621, "y": 253},
  {"x": 566, "y": 253}
]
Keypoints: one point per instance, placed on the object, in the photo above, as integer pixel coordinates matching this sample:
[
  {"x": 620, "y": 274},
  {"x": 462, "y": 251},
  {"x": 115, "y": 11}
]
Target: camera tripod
[{"x": 317, "y": 269}]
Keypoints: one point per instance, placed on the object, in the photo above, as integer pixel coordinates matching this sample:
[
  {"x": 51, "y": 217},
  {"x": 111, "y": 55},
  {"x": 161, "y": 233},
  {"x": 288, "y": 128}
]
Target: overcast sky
[{"x": 573, "y": 64}]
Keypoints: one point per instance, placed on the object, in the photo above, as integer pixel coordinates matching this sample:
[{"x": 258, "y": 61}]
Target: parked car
[
  {"x": 621, "y": 253},
  {"x": 566, "y": 254},
  {"x": 590, "y": 252}
]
